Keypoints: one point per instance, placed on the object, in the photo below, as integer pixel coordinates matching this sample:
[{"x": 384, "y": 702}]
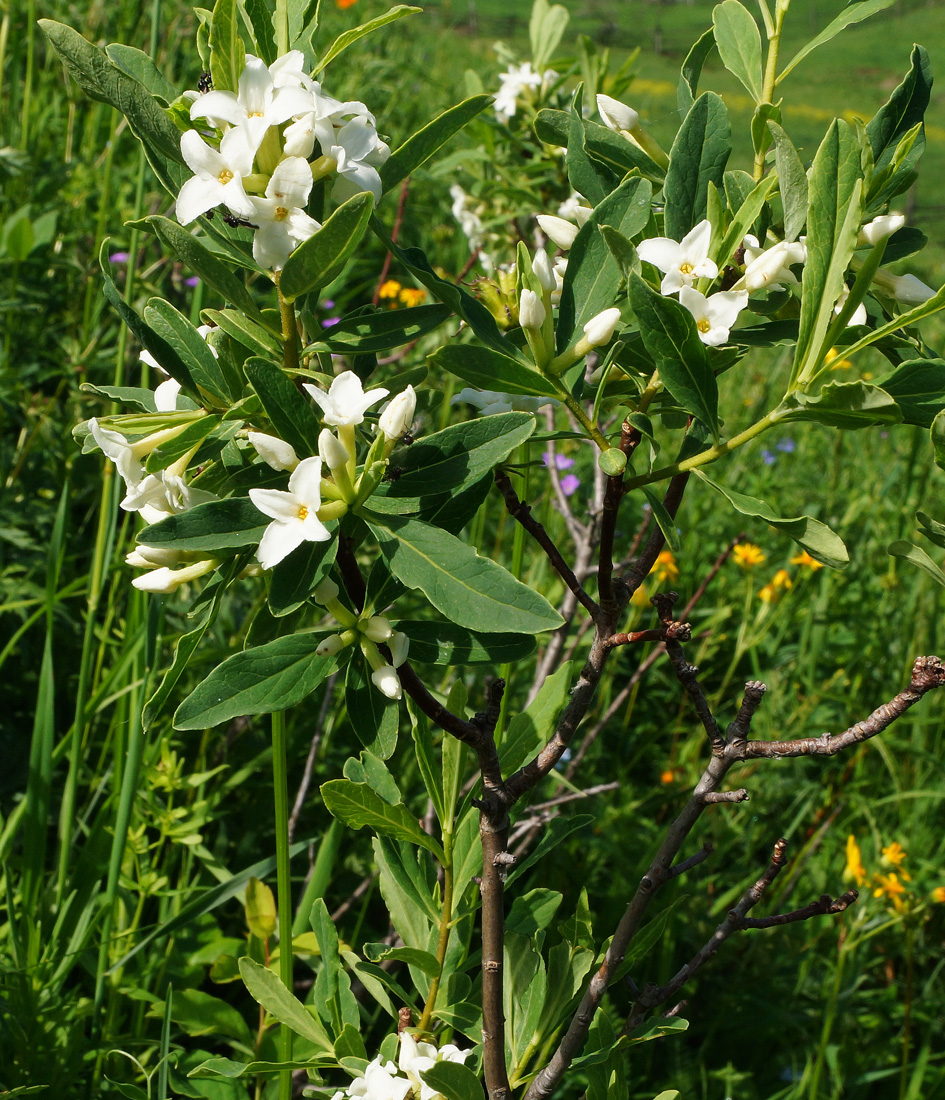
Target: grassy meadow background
[{"x": 113, "y": 837}]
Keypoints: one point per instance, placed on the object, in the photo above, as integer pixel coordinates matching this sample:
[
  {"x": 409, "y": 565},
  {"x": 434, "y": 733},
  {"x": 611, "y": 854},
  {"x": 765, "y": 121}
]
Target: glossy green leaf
[
  {"x": 658, "y": 1028},
  {"x": 698, "y": 157},
  {"x": 132, "y": 397},
  {"x": 592, "y": 180},
  {"x": 460, "y": 455},
  {"x": 622, "y": 250},
  {"x": 444, "y": 643},
  {"x": 532, "y": 727},
  {"x": 370, "y": 769},
  {"x": 792, "y": 182},
  {"x": 670, "y": 336},
  {"x": 269, "y": 677},
  {"x": 199, "y": 1013},
  {"x": 469, "y": 590},
  {"x": 296, "y": 577},
  {"x": 303, "y": 22},
  {"x": 380, "y": 330},
  {"x": 319, "y": 259},
  {"x": 739, "y": 42},
  {"x": 419, "y": 147},
  {"x": 533, "y": 912},
  {"x": 348, "y": 38},
  {"x": 204, "y": 263},
  {"x": 663, "y": 519},
  {"x": 162, "y": 457},
  {"x": 374, "y": 717},
  {"x": 453, "y": 1081},
  {"x": 251, "y": 335},
  {"x": 358, "y": 807},
  {"x": 205, "y": 369},
  {"x": 292, "y": 413},
  {"x": 267, "y": 989},
  {"x": 902, "y": 320},
  {"x": 333, "y": 998},
  {"x": 852, "y": 13},
  {"x": 916, "y": 556},
  {"x": 744, "y": 219},
  {"x": 931, "y": 528},
  {"x": 891, "y": 124},
  {"x": 611, "y": 150},
  {"x": 217, "y": 525},
  {"x": 227, "y": 53},
  {"x": 424, "y": 960},
  {"x": 918, "y": 388},
  {"x": 492, "y": 370},
  {"x": 593, "y": 276},
  {"x": 545, "y": 28},
  {"x": 815, "y": 537},
  {"x": 138, "y": 65},
  {"x": 557, "y": 830},
  {"x": 688, "y": 86},
  {"x": 264, "y": 39},
  {"x": 846, "y": 405}
]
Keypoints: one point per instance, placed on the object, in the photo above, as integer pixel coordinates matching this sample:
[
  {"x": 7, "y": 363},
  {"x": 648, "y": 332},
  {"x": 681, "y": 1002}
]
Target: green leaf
[
  {"x": 698, "y": 157},
  {"x": 815, "y": 537},
  {"x": 593, "y": 276},
  {"x": 469, "y": 590},
  {"x": 374, "y": 717},
  {"x": 453, "y": 1081},
  {"x": 138, "y": 65},
  {"x": 366, "y": 333},
  {"x": 296, "y": 577},
  {"x": 101, "y": 80},
  {"x": 195, "y": 255},
  {"x": 545, "y": 28},
  {"x": 744, "y": 219},
  {"x": 557, "y": 830},
  {"x": 592, "y": 181},
  {"x": 199, "y": 1013},
  {"x": 267, "y": 678},
  {"x": 891, "y": 124},
  {"x": 833, "y": 222},
  {"x": 904, "y": 320},
  {"x": 937, "y": 436},
  {"x": 490, "y": 370},
  {"x": 303, "y": 22},
  {"x": 419, "y": 147},
  {"x": 346, "y": 39},
  {"x": 664, "y": 520},
  {"x": 292, "y": 414},
  {"x": 622, "y": 250},
  {"x": 688, "y": 87},
  {"x": 227, "y": 53},
  {"x": 531, "y": 728},
  {"x": 916, "y": 556},
  {"x": 739, "y": 42},
  {"x": 260, "y": 20},
  {"x": 918, "y": 388},
  {"x": 848, "y": 405},
  {"x": 259, "y": 340},
  {"x": 133, "y": 397},
  {"x": 205, "y": 369},
  {"x": 358, "y": 807},
  {"x": 658, "y": 1028},
  {"x": 533, "y": 912},
  {"x": 852, "y": 13},
  {"x": 670, "y": 336},
  {"x": 423, "y": 960},
  {"x": 267, "y": 989},
  {"x": 614, "y": 152},
  {"x": 319, "y": 259},
  {"x": 162, "y": 457},
  {"x": 217, "y": 525},
  {"x": 792, "y": 182},
  {"x": 460, "y": 455},
  {"x": 443, "y": 643},
  {"x": 333, "y": 997}
]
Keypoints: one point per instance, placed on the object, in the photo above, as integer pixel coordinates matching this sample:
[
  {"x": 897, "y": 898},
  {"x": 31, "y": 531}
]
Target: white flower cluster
[
  {"x": 256, "y": 159},
  {"x": 382, "y": 1081},
  {"x": 514, "y": 83}
]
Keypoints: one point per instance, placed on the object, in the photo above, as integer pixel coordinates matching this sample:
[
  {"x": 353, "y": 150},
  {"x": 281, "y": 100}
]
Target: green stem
[
  {"x": 770, "y": 77},
  {"x": 829, "y": 1016},
  {"x": 282, "y": 27},
  {"x": 703, "y": 459},
  {"x": 280, "y": 785},
  {"x": 446, "y": 918},
  {"x": 290, "y": 332},
  {"x": 579, "y": 414}
]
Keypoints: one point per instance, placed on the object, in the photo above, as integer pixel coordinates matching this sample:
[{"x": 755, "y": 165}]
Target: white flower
[
  {"x": 320, "y": 122},
  {"x": 512, "y": 83},
  {"x": 258, "y": 105},
  {"x": 906, "y": 289},
  {"x": 281, "y": 218},
  {"x": 165, "y": 395},
  {"x": 560, "y": 269},
  {"x": 469, "y": 220},
  {"x": 346, "y": 402},
  {"x": 273, "y": 451},
  {"x": 163, "y": 581},
  {"x": 377, "y": 628},
  {"x": 617, "y": 115},
  {"x": 682, "y": 262},
  {"x": 151, "y": 557},
  {"x": 416, "y": 1058},
  {"x": 600, "y": 329},
  {"x": 163, "y": 494},
  {"x": 859, "y": 314},
  {"x": 330, "y": 645},
  {"x": 396, "y": 419},
  {"x": 386, "y": 680},
  {"x": 490, "y": 402},
  {"x": 771, "y": 267},
  {"x": 218, "y": 177},
  {"x": 714, "y": 315},
  {"x": 293, "y": 514},
  {"x": 331, "y": 450},
  {"x": 380, "y": 1082},
  {"x": 357, "y": 154},
  {"x": 557, "y": 230},
  {"x": 399, "y": 648},
  {"x": 572, "y": 210},
  {"x": 531, "y": 311},
  {"x": 880, "y": 228},
  {"x": 114, "y": 446},
  {"x": 543, "y": 270}
]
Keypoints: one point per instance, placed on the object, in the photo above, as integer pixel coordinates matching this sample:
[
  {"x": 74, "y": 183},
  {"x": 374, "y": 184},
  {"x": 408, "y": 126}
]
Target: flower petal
[
  {"x": 278, "y": 541},
  {"x": 305, "y": 483},
  {"x": 280, "y": 506}
]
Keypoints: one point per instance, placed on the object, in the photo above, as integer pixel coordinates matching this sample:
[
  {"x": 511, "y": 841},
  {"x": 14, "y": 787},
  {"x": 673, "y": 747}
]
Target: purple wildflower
[
  {"x": 194, "y": 280},
  {"x": 569, "y": 484},
  {"x": 787, "y": 445},
  {"x": 119, "y": 257},
  {"x": 328, "y": 304},
  {"x": 769, "y": 458},
  {"x": 330, "y": 321},
  {"x": 562, "y": 462}
]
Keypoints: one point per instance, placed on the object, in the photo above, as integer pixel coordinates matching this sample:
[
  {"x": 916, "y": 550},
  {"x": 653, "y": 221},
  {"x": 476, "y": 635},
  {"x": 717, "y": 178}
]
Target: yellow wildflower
[
  {"x": 890, "y": 887},
  {"x": 411, "y": 296},
  {"x": 854, "y": 868},
  {"x": 938, "y": 895},
  {"x": 747, "y": 555},
  {"x": 640, "y": 598},
  {"x": 803, "y": 558},
  {"x": 894, "y": 856},
  {"x": 836, "y": 363},
  {"x": 769, "y": 594},
  {"x": 782, "y": 579},
  {"x": 667, "y": 776},
  {"x": 665, "y": 567},
  {"x": 390, "y": 289}
]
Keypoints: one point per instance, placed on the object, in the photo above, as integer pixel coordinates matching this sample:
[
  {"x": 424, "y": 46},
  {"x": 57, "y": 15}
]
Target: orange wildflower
[
  {"x": 411, "y": 296},
  {"x": 390, "y": 289},
  {"x": 938, "y": 895},
  {"x": 345, "y": 3}
]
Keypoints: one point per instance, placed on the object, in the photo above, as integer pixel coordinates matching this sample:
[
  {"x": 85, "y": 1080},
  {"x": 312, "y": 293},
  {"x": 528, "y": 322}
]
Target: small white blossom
[
  {"x": 681, "y": 261},
  {"x": 357, "y": 153},
  {"x": 331, "y": 450},
  {"x": 600, "y": 329},
  {"x": 906, "y": 289},
  {"x": 164, "y": 581},
  {"x": 417, "y": 1057},
  {"x": 273, "y": 451},
  {"x": 346, "y": 402},
  {"x": 858, "y": 316},
  {"x": 377, "y": 628},
  {"x": 386, "y": 680},
  {"x": 293, "y": 514},
  {"x": 330, "y": 645},
  {"x": 396, "y": 419},
  {"x": 531, "y": 311},
  {"x": 512, "y": 83},
  {"x": 714, "y": 315},
  {"x": 557, "y": 230},
  {"x": 880, "y": 228},
  {"x": 770, "y": 268},
  {"x": 281, "y": 219},
  {"x": 543, "y": 270},
  {"x": 218, "y": 177},
  {"x": 399, "y": 648},
  {"x": 617, "y": 115}
]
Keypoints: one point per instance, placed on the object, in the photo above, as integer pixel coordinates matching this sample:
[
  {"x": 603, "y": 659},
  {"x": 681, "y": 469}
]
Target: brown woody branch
[{"x": 629, "y": 439}]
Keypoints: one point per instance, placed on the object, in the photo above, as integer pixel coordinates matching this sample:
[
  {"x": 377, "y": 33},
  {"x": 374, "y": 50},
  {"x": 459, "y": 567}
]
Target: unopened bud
[
  {"x": 557, "y": 230},
  {"x": 396, "y": 419},
  {"x": 274, "y": 452},
  {"x": 330, "y": 645},
  {"x": 906, "y": 289},
  {"x": 543, "y": 270},
  {"x": 326, "y": 592},
  {"x": 399, "y": 647},
  {"x": 387, "y": 681},
  {"x": 331, "y": 450},
  {"x": 164, "y": 581},
  {"x": 377, "y": 628},
  {"x": 600, "y": 329},
  {"x": 531, "y": 311},
  {"x": 617, "y": 115},
  {"x": 880, "y": 228}
]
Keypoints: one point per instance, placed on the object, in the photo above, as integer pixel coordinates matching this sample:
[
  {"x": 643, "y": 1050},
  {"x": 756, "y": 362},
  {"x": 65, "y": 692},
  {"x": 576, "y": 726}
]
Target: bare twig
[{"x": 693, "y": 861}]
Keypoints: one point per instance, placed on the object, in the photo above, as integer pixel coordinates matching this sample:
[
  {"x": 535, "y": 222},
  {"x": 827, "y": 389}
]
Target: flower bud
[
  {"x": 617, "y": 115},
  {"x": 906, "y": 289},
  {"x": 330, "y": 645},
  {"x": 531, "y": 311},
  {"x": 880, "y": 228},
  {"x": 544, "y": 271},
  {"x": 387, "y": 681},
  {"x": 557, "y": 230},
  {"x": 600, "y": 329},
  {"x": 326, "y": 592},
  {"x": 331, "y": 450},
  {"x": 399, "y": 647},
  {"x": 773, "y": 266},
  {"x": 148, "y": 557},
  {"x": 165, "y": 581},
  {"x": 377, "y": 628},
  {"x": 396, "y": 419},
  {"x": 274, "y": 452}
]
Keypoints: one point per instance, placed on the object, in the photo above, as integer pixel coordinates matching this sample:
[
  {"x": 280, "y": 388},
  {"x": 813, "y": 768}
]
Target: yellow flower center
[
  {"x": 703, "y": 325},
  {"x": 255, "y": 114},
  {"x": 303, "y": 511},
  {"x": 686, "y": 269},
  {"x": 280, "y": 214},
  {"x": 225, "y": 176}
]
